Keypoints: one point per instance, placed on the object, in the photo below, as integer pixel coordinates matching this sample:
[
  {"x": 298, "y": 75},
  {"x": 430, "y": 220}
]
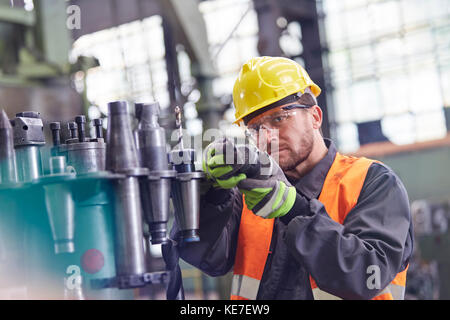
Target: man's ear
[{"x": 317, "y": 114}]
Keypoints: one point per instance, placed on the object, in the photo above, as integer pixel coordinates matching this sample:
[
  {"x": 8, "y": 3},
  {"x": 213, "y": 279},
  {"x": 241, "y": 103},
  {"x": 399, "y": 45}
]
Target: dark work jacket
[{"x": 306, "y": 241}]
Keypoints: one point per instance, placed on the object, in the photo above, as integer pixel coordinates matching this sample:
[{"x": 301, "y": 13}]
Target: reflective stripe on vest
[
  {"x": 339, "y": 195},
  {"x": 255, "y": 234}
]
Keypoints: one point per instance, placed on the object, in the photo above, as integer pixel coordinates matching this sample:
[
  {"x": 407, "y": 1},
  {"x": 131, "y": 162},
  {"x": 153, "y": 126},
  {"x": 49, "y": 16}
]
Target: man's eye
[{"x": 278, "y": 119}]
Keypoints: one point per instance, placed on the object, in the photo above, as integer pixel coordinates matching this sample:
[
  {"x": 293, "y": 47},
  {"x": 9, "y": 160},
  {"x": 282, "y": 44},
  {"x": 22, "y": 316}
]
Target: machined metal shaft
[
  {"x": 8, "y": 168},
  {"x": 122, "y": 157},
  {"x": 155, "y": 189}
]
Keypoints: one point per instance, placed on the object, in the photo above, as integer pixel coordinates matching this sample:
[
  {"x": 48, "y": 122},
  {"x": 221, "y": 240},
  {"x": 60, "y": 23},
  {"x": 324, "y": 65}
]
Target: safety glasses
[{"x": 268, "y": 124}]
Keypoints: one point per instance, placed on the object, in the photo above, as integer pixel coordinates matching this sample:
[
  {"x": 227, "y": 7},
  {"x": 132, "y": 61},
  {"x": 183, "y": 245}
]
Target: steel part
[
  {"x": 129, "y": 247},
  {"x": 29, "y": 163},
  {"x": 186, "y": 196},
  {"x": 8, "y": 167},
  {"x": 55, "y": 127},
  {"x": 60, "y": 208},
  {"x": 121, "y": 152},
  {"x": 29, "y": 114},
  {"x": 122, "y": 157},
  {"x": 28, "y": 129},
  {"x": 150, "y": 139},
  {"x": 57, "y": 165},
  {"x": 155, "y": 190},
  {"x": 186, "y": 193},
  {"x": 98, "y": 128},
  {"x": 28, "y": 138},
  {"x": 85, "y": 157},
  {"x": 81, "y": 121},
  {"x": 73, "y": 128},
  {"x": 155, "y": 197},
  {"x": 179, "y": 127}
]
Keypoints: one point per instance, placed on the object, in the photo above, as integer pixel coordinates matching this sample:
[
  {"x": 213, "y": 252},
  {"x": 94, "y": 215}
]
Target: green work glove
[
  {"x": 268, "y": 199},
  {"x": 225, "y": 175},
  {"x": 269, "y": 196}
]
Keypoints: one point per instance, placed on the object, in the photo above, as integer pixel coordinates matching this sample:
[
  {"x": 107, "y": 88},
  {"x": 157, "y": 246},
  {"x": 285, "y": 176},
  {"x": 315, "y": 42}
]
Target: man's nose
[{"x": 269, "y": 140}]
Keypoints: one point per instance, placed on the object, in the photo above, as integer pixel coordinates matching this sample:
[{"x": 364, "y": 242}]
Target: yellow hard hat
[{"x": 265, "y": 80}]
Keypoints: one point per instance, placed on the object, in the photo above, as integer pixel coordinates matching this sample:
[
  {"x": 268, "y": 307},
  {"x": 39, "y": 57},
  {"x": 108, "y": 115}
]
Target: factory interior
[{"x": 86, "y": 84}]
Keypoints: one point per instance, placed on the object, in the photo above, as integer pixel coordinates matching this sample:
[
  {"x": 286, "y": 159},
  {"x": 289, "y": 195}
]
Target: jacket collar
[{"x": 311, "y": 184}]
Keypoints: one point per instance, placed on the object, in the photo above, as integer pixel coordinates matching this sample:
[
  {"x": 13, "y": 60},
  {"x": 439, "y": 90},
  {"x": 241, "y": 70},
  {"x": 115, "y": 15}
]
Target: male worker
[{"x": 331, "y": 227}]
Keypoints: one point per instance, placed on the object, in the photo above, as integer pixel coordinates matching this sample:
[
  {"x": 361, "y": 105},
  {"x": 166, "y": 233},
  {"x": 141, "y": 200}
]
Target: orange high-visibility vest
[{"x": 339, "y": 195}]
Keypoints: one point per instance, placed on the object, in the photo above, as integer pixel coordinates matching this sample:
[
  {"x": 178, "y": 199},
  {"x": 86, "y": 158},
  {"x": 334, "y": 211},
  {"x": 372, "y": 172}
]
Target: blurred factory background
[{"x": 383, "y": 66}]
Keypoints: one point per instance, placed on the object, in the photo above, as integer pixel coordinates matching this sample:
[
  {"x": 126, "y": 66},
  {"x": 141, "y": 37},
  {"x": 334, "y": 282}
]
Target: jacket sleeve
[
  {"x": 220, "y": 214},
  {"x": 376, "y": 232}
]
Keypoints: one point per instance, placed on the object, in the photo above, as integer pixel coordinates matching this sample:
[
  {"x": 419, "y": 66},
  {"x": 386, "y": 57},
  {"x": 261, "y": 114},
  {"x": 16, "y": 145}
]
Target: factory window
[
  {"x": 132, "y": 65},
  {"x": 232, "y": 29},
  {"x": 389, "y": 60}
]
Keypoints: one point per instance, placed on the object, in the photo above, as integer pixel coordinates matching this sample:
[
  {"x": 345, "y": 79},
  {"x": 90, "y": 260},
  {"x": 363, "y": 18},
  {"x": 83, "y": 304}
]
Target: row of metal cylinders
[{"x": 143, "y": 184}]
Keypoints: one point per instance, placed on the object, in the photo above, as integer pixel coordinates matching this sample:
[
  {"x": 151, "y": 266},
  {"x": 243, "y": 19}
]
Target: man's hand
[
  {"x": 273, "y": 196},
  {"x": 226, "y": 176},
  {"x": 268, "y": 199}
]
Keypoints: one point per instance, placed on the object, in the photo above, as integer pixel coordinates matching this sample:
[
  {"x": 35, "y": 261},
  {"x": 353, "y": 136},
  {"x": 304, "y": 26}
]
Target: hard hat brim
[{"x": 272, "y": 103}]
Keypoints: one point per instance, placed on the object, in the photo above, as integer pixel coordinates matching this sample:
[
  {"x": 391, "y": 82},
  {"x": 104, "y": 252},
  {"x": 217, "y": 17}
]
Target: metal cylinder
[
  {"x": 8, "y": 167},
  {"x": 155, "y": 190},
  {"x": 155, "y": 197},
  {"x": 81, "y": 121},
  {"x": 185, "y": 191},
  {"x": 73, "y": 128},
  {"x": 98, "y": 128},
  {"x": 57, "y": 165},
  {"x": 55, "y": 127},
  {"x": 129, "y": 248},
  {"x": 186, "y": 194},
  {"x": 121, "y": 152},
  {"x": 29, "y": 162},
  {"x": 122, "y": 157},
  {"x": 28, "y": 138},
  {"x": 151, "y": 139},
  {"x": 85, "y": 157}
]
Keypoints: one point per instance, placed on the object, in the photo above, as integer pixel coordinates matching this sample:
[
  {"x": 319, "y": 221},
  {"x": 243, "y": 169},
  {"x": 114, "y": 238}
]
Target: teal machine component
[{"x": 73, "y": 229}]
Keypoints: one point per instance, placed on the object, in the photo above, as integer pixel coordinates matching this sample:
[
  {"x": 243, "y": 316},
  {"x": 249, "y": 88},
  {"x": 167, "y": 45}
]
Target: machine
[{"x": 73, "y": 215}]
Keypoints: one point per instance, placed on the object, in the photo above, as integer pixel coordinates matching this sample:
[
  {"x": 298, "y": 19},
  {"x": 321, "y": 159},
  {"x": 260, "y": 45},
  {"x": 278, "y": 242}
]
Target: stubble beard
[{"x": 291, "y": 158}]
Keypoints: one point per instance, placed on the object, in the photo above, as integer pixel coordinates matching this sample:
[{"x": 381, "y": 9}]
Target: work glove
[
  {"x": 267, "y": 192},
  {"x": 269, "y": 197},
  {"x": 225, "y": 175}
]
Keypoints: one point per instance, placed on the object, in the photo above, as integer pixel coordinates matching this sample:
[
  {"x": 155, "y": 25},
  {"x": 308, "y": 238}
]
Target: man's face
[{"x": 287, "y": 135}]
